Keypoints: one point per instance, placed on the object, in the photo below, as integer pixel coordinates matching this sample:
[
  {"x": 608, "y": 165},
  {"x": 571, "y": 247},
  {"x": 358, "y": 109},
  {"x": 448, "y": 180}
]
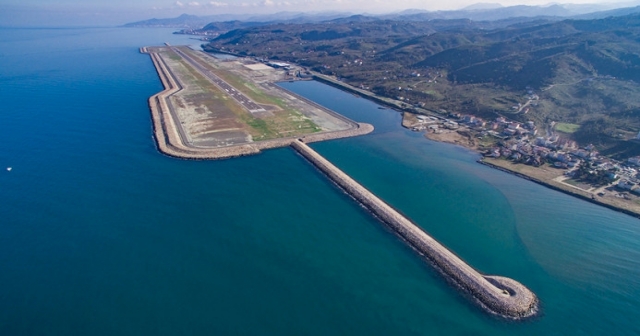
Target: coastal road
[{"x": 238, "y": 96}]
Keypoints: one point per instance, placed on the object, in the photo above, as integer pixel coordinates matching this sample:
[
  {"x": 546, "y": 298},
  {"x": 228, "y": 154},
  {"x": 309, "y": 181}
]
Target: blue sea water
[{"x": 100, "y": 234}]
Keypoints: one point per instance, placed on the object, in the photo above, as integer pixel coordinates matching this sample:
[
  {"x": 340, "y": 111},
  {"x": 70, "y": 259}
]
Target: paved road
[{"x": 240, "y": 97}]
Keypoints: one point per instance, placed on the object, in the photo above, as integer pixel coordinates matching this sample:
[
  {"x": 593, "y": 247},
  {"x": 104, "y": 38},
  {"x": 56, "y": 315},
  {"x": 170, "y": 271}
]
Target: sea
[{"x": 100, "y": 234}]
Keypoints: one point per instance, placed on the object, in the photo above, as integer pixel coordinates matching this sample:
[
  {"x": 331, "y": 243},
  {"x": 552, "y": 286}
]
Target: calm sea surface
[{"x": 102, "y": 235}]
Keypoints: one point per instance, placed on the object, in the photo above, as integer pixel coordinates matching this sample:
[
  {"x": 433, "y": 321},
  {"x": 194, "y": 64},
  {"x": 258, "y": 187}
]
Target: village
[{"x": 520, "y": 143}]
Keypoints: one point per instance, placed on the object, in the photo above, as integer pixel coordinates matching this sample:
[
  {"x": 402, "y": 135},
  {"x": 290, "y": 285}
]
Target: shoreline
[
  {"x": 170, "y": 140},
  {"x": 567, "y": 191},
  {"x": 463, "y": 141},
  {"x": 560, "y": 187}
]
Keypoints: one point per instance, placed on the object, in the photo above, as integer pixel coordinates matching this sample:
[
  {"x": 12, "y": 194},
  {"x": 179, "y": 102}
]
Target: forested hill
[{"x": 583, "y": 70}]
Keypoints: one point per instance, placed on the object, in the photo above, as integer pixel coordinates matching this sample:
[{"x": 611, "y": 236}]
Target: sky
[{"x": 117, "y": 12}]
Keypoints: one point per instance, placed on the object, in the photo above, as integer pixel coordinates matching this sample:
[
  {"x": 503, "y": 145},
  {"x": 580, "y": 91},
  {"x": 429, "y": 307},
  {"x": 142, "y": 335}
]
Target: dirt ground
[
  {"x": 453, "y": 137},
  {"x": 213, "y": 116}
]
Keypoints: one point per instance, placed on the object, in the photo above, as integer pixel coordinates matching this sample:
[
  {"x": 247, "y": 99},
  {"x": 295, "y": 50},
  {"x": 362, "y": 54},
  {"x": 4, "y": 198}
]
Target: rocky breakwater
[{"x": 496, "y": 294}]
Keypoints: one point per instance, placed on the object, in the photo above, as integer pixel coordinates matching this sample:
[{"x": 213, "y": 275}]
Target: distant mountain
[
  {"x": 608, "y": 13},
  {"x": 354, "y": 19},
  {"x": 482, "y": 6},
  {"x": 230, "y": 25},
  {"x": 182, "y": 21},
  {"x": 299, "y": 17},
  {"x": 494, "y": 11},
  {"x": 476, "y": 12},
  {"x": 491, "y": 14},
  {"x": 223, "y": 20}
]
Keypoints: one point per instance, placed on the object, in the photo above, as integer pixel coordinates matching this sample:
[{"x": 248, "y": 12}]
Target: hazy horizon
[{"x": 41, "y": 13}]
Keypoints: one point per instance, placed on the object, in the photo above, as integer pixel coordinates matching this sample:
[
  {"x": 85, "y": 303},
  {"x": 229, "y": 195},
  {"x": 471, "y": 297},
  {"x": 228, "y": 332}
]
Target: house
[
  {"x": 581, "y": 153},
  {"x": 451, "y": 124},
  {"x": 573, "y": 163},
  {"x": 563, "y": 157},
  {"x": 559, "y": 164},
  {"x": 634, "y": 160},
  {"x": 514, "y": 126},
  {"x": 626, "y": 185},
  {"x": 509, "y": 132}
]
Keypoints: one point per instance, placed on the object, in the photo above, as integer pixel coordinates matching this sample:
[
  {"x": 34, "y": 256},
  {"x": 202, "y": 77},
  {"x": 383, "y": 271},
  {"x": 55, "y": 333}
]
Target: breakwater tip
[{"x": 498, "y": 295}]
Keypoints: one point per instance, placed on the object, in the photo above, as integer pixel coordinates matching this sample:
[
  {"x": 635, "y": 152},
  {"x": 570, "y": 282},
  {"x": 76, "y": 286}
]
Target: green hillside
[{"x": 582, "y": 72}]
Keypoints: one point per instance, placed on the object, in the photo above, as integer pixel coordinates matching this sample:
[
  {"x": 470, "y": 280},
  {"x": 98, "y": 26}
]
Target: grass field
[{"x": 567, "y": 128}]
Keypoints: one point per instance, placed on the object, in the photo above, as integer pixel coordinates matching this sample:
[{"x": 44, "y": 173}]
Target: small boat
[{"x": 9, "y": 168}]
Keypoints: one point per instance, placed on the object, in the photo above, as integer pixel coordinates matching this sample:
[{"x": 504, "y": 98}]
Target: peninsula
[{"x": 214, "y": 108}]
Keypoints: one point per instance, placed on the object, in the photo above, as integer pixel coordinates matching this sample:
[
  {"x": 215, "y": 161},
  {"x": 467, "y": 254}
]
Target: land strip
[{"x": 199, "y": 115}]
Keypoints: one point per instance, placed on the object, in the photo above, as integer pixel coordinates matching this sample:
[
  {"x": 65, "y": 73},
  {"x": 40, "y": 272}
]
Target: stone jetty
[{"x": 498, "y": 295}]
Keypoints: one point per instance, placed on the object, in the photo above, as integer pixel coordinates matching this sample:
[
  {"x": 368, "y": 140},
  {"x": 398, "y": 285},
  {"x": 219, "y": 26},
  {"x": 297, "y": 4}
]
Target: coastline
[
  {"x": 171, "y": 142},
  {"x": 455, "y": 138},
  {"x": 561, "y": 188}
]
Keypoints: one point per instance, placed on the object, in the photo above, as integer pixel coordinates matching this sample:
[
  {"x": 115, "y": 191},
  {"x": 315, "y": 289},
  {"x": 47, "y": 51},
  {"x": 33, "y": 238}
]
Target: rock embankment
[
  {"x": 171, "y": 141},
  {"x": 498, "y": 295}
]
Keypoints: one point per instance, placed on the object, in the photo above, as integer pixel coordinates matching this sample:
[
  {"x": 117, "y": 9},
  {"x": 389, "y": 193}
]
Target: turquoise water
[{"x": 102, "y": 235}]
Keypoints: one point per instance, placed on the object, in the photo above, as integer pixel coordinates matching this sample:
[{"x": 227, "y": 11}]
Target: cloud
[
  {"x": 267, "y": 3},
  {"x": 218, "y": 4},
  {"x": 179, "y": 4},
  {"x": 194, "y": 4}
]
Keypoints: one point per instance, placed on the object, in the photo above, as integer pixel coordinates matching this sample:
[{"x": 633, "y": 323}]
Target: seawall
[
  {"x": 170, "y": 139},
  {"x": 498, "y": 295},
  {"x": 350, "y": 89},
  {"x": 562, "y": 190}
]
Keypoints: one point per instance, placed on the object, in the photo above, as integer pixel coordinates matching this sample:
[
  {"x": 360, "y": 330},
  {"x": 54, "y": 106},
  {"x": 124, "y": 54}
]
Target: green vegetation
[
  {"x": 584, "y": 73},
  {"x": 596, "y": 177},
  {"x": 205, "y": 97},
  {"x": 261, "y": 128},
  {"x": 567, "y": 128},
  {"x": 173, "y": 56}
]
